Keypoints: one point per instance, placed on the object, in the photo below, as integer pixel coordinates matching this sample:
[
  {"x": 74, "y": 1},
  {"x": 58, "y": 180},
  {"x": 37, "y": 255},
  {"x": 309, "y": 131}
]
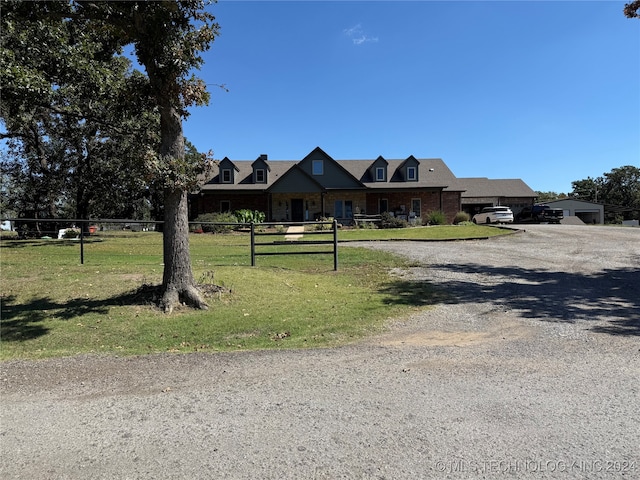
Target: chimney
[{"x": 263, "y": 157}]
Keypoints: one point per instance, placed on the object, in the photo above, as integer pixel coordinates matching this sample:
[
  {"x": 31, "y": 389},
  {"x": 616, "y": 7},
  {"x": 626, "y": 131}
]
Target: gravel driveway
[{"x": 527, "y": 365}]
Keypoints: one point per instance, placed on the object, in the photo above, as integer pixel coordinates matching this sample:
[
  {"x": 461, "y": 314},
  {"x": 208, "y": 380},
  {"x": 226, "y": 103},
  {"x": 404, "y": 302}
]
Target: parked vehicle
[
  {"x": 540, "y": 213},
  {"x": 493, "y": 215}
]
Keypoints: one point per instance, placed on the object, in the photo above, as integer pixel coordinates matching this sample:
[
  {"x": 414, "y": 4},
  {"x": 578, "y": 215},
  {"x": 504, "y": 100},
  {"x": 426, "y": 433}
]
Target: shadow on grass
[
  {"x": 12, "y": 328},
  {"x": 609, "y": 299},
  {"x": 25, "y": 321}
]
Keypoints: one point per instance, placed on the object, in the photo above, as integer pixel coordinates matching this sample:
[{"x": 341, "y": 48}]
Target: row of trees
[
  {"x": 86, "y": 134},
  {"x": 619, "y": 187},
  {"x": 76, "y": 142}
]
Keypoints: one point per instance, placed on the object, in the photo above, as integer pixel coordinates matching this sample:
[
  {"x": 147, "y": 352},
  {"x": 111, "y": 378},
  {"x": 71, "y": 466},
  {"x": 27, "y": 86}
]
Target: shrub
[
  {"x": 324, "y": 227},
  {"x": 249, "y": 216},
  {"x": 367, "y": 225},
  {"x": 461, "y": 217},
  {"x": 436, "y": 217},
  {"x": 8, "y": 234},
  {"x": 71, "y": 233},
  {"x": 208, "y": 222},
  {"x": 389, "y": 221}
]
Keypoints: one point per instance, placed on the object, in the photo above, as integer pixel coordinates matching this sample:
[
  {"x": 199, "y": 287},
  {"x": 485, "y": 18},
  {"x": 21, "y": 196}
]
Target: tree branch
[{"x": 631, "y": 10}]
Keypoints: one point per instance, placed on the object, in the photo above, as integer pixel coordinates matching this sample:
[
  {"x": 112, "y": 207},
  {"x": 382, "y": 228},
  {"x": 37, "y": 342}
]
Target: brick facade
[
  {"x": 278, "y": 206},
  {"x": 451, "y": 204},
  {"x": 430, "y": 201},
  {"x": 281, "y": 206}
]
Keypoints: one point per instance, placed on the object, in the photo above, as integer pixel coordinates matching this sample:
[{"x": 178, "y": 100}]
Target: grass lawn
[
  {"x": 54, "y": 306},
  {"x": 439, "y": 232}
]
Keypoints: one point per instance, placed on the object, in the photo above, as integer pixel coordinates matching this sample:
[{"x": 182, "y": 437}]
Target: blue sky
[{"x": 544, "y": 91}]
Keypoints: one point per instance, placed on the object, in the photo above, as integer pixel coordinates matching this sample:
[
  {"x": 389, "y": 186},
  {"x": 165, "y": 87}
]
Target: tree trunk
[
  {"x": 82, "y": 200},
  {"x": 178, "y": 284},
  {"x": 157, "y": 37}
]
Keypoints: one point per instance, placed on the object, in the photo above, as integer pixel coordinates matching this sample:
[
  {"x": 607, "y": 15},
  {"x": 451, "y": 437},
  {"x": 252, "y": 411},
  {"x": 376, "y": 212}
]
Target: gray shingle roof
[
  {"x": 433, "y": 173},
  {"x": 487, "y": 187},
  {"x": 244, "y": 176}
]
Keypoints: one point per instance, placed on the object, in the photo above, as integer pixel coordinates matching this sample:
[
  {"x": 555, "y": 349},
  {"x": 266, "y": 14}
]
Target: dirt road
[{"x": 528, "y": 365}]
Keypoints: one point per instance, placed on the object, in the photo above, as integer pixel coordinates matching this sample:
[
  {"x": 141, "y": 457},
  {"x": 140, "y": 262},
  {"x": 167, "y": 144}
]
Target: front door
[{"x": 297, "y": 210}]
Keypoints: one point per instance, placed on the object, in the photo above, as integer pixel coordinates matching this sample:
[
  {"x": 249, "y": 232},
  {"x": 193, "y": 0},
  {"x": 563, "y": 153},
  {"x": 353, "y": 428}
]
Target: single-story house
[
  {"x": 320, "y": 186},
  {"x": 588, "y": 212}
]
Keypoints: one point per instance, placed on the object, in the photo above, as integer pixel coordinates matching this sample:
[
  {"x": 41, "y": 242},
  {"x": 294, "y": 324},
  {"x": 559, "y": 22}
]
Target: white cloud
[
  {"x": 355, "y": 30},
  {"x": 363, "y": 39},
  {"x": 358, "y": 36}
]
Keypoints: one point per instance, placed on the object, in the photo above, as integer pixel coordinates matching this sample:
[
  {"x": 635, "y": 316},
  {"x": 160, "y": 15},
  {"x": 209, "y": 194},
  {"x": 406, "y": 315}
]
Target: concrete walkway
[{"x": 294, "y": 232}]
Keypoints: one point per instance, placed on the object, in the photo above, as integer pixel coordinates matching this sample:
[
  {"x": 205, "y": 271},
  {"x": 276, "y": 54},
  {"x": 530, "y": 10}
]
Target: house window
[
  {"x": 337, "y": 209},
  {"x": 317, "y": 167},
  {"x": 415, "y": 207},
  {"x": 225, "y": 206},
  {"x": 226, "y": 175},
  {"x": 383, "y": 205},
  {"x": 380, "y": 176},
  {"x": 260, "y": 176},
  {"x": 412, "y": 174},
  {"x": 343, "y": 209}
]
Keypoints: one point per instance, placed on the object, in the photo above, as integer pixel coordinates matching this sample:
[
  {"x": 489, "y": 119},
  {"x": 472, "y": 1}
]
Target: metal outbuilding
[{"x": 588, "y": 212}]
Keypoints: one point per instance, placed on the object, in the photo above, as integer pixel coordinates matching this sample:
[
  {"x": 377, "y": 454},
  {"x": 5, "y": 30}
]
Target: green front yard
[{"x": 53, "y": 306}]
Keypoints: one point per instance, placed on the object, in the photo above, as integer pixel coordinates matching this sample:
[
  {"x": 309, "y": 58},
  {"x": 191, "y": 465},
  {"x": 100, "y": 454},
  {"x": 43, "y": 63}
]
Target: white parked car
[{"x": 494, "y": 215}]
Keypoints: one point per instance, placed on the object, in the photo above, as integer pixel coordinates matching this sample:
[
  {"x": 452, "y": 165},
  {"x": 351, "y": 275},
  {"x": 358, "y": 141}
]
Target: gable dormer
[
  {"x": 317, "y": 164},
  {"x": 325, "y": 171},
  {"x": 261, "y": 169},
  {"x": 227, "y": 171},
  {"x": 409, "y": 169},
  {"x": 379, "y": 170}
]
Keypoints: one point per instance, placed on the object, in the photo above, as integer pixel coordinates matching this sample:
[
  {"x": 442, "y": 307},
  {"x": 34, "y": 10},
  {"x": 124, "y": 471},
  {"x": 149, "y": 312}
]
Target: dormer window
[
  {"x": 412, "y": 174},
  {"x": 317, "y": 167},
  {"x": 378, "y": 170},
  {"x": 226, "y": 175},
  {"x": 260, "y": 169},
  {"x": 227, "y": 171}
]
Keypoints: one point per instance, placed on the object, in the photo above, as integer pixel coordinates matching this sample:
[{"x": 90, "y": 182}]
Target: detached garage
[{"x": 588, "y": 212}]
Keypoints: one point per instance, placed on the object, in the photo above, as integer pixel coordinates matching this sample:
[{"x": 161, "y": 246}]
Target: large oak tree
[{"x": 168, "y": 38}]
